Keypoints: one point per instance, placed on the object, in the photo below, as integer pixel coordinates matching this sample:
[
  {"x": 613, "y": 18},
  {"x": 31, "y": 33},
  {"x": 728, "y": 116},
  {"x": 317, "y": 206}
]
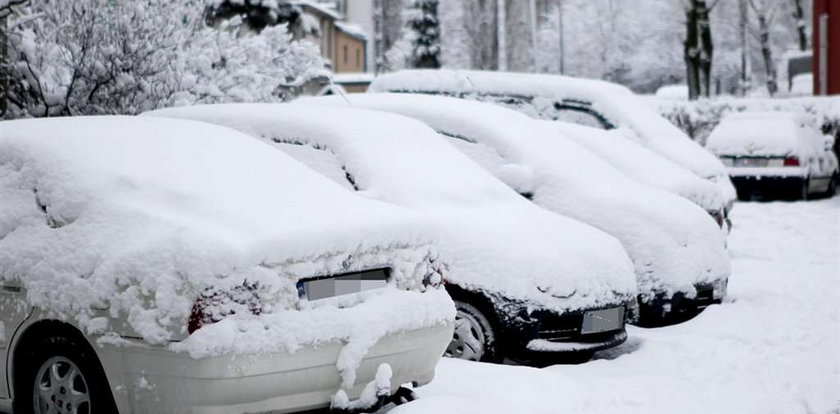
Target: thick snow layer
[
  {"x": 536, "y": 95},
  {"x": 673, "y": 243},
  {"x": 143, "y": 215},
  {"x": 643, "y": 164},
  {"x": 492, "y": 239},
  {"x": 765, "y": 134},
  {"x": 771, "y": 348}
]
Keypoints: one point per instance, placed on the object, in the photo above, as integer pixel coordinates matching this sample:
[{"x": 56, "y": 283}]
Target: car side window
[
  {"x": 321, "y": 160},
  {"x": 482, "y": 154}
]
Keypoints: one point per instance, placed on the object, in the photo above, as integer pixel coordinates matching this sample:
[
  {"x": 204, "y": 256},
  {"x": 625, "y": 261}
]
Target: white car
[
  {"x": 679, "y": 254},
  {"x": 648, "y": 167},
  {"x": 528, "y": 284},
  {"x": 168, "y": 266},
  {"x": 775, "y": 152},
  {"x": 587, "y": 102}
]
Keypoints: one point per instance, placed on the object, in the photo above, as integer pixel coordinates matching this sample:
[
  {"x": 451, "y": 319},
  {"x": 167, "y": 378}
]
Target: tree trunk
[
  {"x": 501, "y": 34},
  {"x": 767, "y": 53},
  {"x": 691, "y": 52},
  {"x": 378, "y": 37},
  {"x": 4, "y": 66},
  {"x": 743, "y": 21},
  {"x": 706, "y": 48},
  {"x": 799, "y": 17}
]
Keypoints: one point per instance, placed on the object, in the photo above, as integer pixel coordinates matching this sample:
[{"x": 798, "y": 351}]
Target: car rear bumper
[
  {"x": 768, "y": 184},
  {"x": 155, "y": 380},
  {"x": 661, "y": 309}
]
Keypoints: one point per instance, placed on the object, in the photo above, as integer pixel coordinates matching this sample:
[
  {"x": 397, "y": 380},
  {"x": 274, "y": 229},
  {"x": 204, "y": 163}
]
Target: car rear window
[{"x": 320, "y": 160}]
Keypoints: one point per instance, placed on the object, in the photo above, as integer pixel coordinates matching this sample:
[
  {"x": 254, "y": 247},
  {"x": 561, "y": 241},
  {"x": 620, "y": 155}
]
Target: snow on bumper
[
  {"x": 287, "y": 360},
  {"x": 155, "y": 380}
]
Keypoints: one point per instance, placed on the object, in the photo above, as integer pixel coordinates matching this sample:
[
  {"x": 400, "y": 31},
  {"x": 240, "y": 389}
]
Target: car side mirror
[{"x": 517, "y": 176}]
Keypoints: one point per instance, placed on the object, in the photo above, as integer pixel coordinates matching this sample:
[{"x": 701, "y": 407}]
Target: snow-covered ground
[{"x": 773, "y": 347}]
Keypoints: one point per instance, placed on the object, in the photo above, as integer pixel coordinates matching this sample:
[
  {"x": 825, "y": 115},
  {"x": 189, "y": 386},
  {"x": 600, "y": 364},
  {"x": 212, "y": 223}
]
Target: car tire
[
  {"x": 804, "y": 191},
  {"x": 474, "y": 338},
  {"x": 832, "y": 188},
  {"x": 60, "y": 370}
]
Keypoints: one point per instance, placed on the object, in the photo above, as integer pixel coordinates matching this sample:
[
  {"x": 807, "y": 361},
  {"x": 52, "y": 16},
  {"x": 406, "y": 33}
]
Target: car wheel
[
  {"x": 804, "y": 190},
  {"x": 474, "y": 338},
  {"x": 61, "y": 375}
]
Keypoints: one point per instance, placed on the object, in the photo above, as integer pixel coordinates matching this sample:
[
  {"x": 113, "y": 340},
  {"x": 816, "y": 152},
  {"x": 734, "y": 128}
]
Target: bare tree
[
  {"x": 698, "y": 49},
  {"x": 5, "y": 11},
  {"x": 799, "y": 18},
  {"x": 765, "y": 11}
]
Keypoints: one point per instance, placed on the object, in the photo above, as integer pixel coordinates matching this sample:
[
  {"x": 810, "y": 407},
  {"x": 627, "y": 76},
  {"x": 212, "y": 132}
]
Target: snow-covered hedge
[
  {"x": 699, "y": 118},
  {"x": 79, "y": 57}
]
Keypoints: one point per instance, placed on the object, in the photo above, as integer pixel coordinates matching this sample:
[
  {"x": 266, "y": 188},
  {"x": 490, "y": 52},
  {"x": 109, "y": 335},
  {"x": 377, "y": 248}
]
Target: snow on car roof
[
  {"x": 762, "y": 134},
  {"x": 643, "y": 164},
  {"x": 493, "y": 239},
  {"x": 674, "y": 243},
  {"x": 616, "y": 102},
  {"x": 143, "y": 214}
]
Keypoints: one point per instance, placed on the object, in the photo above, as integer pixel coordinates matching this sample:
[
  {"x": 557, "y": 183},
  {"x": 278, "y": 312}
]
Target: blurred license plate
[
  {"x": 603, "y": 320},
  {"x": 332, "y": 286},
  {"x": 751, "y": 162}
]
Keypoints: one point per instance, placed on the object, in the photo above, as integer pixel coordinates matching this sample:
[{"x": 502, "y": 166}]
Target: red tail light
[
  {"x": 213, "y": 306},
  {"x": 791, "y": 162}
]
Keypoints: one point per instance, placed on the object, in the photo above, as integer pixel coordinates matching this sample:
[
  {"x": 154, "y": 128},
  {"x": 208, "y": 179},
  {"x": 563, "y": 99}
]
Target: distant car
[
  {"x": 680, "y": 260},
  {"x": 528, "y": 284},
  {"x": 168, "y": 266},
  {"x": 593, "y": 103},
  {"x": 648, "y": 167},
  {"x": 775, "y": 153}
]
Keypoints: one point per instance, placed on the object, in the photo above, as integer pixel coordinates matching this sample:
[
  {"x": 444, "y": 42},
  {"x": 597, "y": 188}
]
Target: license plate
[
  {"x": 751, "y": 162},
  {"x": 603, "y": 320},
  {"x": 332, "y": 286}
]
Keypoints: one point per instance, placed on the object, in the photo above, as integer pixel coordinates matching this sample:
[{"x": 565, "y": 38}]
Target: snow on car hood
[
  {"x": 616, "y": 102},
  {"x": 491, "y": 238},
  {"x": 142, "y": 215},
  {"x": 673, "y": 243},
  {"x": 643, "y": 164},
  {"x": 764, "y": 134}
]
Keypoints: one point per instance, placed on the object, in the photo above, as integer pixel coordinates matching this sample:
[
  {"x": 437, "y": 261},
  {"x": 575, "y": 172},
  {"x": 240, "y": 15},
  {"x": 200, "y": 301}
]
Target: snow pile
[
  {"x": 673, "y": 243},
  {"x": 642, "y": 164},
  {"x": 493, "y": 240},
  {"x": 699, "y": 118},
  {"x": 536, "y": 96},
  {"x": 772, "y": 348},
  {"x": 672, "y": 92},
  {"x": 145, "y": 215},
  {"x": 764, "y": 134}
]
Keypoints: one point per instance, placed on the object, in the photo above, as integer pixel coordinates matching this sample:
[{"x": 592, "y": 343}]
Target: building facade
[{"x": 826, "y": 41}]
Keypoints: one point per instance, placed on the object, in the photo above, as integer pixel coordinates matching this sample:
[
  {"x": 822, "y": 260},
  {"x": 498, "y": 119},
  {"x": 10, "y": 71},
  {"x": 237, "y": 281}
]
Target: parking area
[{"x": 772, "y": 347}]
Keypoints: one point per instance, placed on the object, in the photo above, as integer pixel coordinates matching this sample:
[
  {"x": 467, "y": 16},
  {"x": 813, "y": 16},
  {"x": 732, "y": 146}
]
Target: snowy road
[{"x": 774, "y": 347}]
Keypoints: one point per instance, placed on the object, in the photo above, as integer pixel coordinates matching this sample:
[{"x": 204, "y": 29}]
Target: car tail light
[
  {"x": 791, "y": 162},
  {"x": 213, "y": 305}
]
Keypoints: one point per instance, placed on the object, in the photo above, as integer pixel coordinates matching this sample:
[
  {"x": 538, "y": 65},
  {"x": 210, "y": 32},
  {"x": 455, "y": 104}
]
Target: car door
[{"x": 13, "y": 312}]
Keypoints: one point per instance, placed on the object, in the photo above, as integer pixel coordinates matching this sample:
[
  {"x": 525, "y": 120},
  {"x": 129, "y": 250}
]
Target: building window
[
  {"x": 345, "y": 54},
  {"x": 358, "y": 57}
]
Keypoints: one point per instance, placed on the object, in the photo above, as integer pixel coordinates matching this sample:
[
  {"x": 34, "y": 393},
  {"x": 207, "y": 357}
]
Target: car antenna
[{"x": 340, "y": 91}]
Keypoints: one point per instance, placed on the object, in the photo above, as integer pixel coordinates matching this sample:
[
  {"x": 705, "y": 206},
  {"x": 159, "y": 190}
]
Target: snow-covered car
[
  {"x": 528, "y": 284},
  {"x": 593, "y": 103},
  {"x": 775, "y": 152},
  {"x": 648, "y": 167},
  {"x": 169, "y": 266},
  {"x": 679, "y": 254}
]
